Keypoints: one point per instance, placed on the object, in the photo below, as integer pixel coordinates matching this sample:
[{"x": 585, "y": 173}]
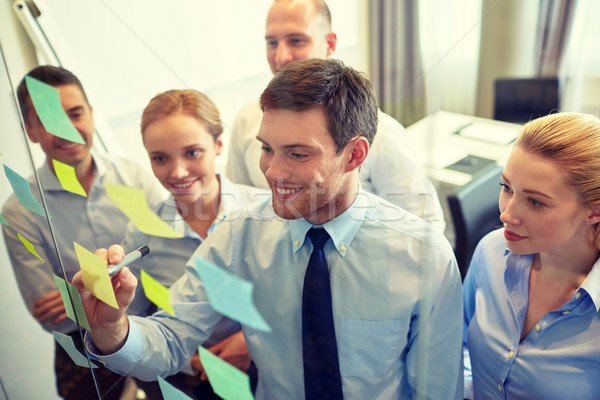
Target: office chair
[
  {"x": 474, "y": 210},
  {"x": 521, "y": 100}
]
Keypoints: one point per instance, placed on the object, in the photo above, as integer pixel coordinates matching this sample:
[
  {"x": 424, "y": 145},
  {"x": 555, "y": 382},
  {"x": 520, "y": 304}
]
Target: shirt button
[
  {"x": 537, "y": 327},
  {"x": 510, "y": 354},
  {"x": 578, "y": 295},
  {"x": 296, "y": 243},
  {"x": 566, "y": 312},
  {"x": 342, "y": 248}
]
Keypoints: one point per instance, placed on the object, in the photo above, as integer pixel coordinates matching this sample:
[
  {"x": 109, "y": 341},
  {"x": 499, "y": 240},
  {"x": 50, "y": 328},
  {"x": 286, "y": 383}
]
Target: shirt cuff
[{"x": 123, "y": 359}]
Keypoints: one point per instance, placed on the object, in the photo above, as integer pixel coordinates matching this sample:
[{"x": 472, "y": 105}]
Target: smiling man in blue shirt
[{"x": 395, "y": 287}]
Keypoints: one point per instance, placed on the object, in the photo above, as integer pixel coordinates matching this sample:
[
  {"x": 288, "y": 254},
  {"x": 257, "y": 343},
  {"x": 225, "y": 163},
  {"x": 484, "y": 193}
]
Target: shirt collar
[
  {"x": 516, "y": 263},
  {"x": 341, "y": 229},
  {"x": 168, "y": 210},
  {"x": 228, "y": 198},
  {"x": 591, "y": 284},
  {"x": 517, "y": 269}
]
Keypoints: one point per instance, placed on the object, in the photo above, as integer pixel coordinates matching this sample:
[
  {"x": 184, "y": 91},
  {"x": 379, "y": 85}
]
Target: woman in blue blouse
[
  {"x": 181, "y": 131},
  {"x": 532, "y": 293}
]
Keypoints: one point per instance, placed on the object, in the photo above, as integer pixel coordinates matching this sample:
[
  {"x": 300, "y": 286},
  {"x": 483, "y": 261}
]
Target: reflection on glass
[{"x": 93, "y": 221}]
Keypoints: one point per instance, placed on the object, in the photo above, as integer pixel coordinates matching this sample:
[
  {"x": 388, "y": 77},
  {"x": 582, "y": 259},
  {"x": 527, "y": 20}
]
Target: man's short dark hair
[
  {"x": 53, "y": 76},
  {"x": 346, "y": 96}
]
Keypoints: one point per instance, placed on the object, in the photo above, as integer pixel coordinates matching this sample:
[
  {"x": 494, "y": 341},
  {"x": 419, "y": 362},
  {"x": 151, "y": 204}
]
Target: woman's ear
[
  {"x": 357, "y": 149},
  {"x": 219, "y": 146},
  {"x": 594, "y": 216}
]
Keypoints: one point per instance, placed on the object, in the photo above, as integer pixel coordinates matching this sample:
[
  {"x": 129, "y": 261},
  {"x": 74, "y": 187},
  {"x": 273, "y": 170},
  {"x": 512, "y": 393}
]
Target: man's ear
[
  {"x": 331, "y": 39},
  {"x": 357, "y": 150},
  {"x": 91, "y": 112},
  {"x": 30, "y": 133},
  {"x": 28, "y": 113}
]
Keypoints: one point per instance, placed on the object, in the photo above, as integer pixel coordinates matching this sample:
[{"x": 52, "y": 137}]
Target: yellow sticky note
[
  {"x": 132, "y": 202},
  {"x": 95, "y": 276},
  {"x": 29, "y": 246},
  {"x": 67, "y": 178},
  {"x": 156, "y": 293}
]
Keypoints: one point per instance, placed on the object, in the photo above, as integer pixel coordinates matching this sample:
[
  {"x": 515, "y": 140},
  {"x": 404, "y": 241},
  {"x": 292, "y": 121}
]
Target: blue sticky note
[
  {"x": 74, "y": 308},
  {"x": 3, "y": 221},
  {"x": 46, "y": 101},
  {"x": 67, "y": 343},
  {"x": 226, "y": 380},
  {"x": 23, "y": 191},
  {"x": 170, "y": 392},
  {"x": 230, "y": 295}
]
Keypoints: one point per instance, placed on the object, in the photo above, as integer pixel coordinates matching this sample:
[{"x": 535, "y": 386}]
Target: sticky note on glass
[
  {"x": 29, "y": 246},
  {"x": 230, "y": 295},
  {"x": 23, "y": 192},
  {"x": 156, "y": 293},
  {"x": 74, "y": 307},
  {"x": 95, "y": 275},
  {"x": 170, "y": 392},
  {"x": 132, "y": 201},
  {"x": 3, "y": 221},
  {"x": 67, "y": 343},
  {"x": 226, "y": 380},
  {"x": 46, "y": 101},
  {"x": 67, "y": 178}
]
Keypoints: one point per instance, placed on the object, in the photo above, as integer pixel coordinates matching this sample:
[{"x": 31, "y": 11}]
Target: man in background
[
  {"x": 93, "y": 221},
  {"x": 301, "y": 29}
]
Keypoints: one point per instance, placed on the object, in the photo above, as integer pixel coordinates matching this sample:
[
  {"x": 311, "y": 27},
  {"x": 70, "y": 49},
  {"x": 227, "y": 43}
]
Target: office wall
[
  {"x": 130, "y": 51},
  {"x": 26, "y": 350},
  {"x": 507, "y": 47}
]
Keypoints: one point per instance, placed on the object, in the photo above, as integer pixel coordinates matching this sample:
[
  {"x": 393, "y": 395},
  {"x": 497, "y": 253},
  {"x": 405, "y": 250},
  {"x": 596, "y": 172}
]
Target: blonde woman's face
[
  {"x": 182, "y": 154},
  {"x": 540, "y": 214}
]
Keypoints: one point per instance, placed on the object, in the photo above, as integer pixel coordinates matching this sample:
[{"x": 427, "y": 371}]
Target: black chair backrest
[
  {"x": 475, "y": 212},
  {"x": 521, "y": 100}
]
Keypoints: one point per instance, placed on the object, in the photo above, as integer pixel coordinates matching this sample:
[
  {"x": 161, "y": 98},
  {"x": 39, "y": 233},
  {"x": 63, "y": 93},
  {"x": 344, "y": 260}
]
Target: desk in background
[{"x": 453, "y": 147}]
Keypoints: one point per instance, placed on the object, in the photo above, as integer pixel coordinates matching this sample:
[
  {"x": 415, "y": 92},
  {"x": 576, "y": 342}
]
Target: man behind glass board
[
  {"x": 388, "y": 324},
  {"x": 93, "y": 221},
  {"x": 301, "y": 29}
]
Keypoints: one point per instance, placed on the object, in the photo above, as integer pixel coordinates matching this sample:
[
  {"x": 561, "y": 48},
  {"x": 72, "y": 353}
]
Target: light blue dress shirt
[
  {"x": 168, "y": 257},
  {"x": 397, "y": 304},
  {"x": 93, "y": 222},
  {"x": 559, "y": 358}
]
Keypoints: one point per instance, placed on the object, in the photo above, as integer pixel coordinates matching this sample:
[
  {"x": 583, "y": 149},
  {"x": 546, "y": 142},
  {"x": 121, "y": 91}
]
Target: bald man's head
[{"x": 298, "y": 30}]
